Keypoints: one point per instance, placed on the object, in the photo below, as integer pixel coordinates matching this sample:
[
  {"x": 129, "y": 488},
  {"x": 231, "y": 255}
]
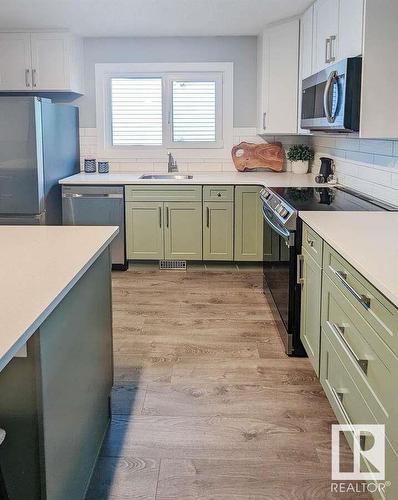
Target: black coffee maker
[{"x": 325, "y": 171}]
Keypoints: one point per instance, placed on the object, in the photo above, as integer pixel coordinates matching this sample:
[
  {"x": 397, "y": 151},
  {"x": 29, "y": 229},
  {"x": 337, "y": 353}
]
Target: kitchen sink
[{"x": 165, "y": 177}]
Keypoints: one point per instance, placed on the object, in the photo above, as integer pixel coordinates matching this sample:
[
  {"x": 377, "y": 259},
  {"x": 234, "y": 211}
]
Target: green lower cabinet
[
  {"x": 218, "y": 231},
  {"x": 272, "y": 243},
  {"x": 183, "y": 230},
  {"x": 310, "y": 329},
  {"x": 249, "y": 224},
  {"x": 144, "y": 230}
]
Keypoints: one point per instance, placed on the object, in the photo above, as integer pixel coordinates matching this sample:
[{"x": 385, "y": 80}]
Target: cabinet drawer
[
  {"x": 368, "y": 301},
  {"x": 218, "y": 193},
  {"x": 344, "y": 397},
  {"x": 370, "y": 363},
  {"x": 313, "y": 243},
  {"x": 163, "y": 193},
  {"x": 349, "y": 406}
]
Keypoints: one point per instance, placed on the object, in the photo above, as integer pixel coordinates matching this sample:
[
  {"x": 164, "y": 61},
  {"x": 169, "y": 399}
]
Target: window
[
  {"x": 164, "y": 106},
  {"x": 136, "y": 111},
  {"x": 194, "y": 111}
]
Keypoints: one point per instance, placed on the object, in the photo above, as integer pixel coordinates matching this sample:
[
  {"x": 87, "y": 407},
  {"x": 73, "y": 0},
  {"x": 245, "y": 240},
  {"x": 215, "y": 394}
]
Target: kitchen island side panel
[{"x": 75, "y": 382}]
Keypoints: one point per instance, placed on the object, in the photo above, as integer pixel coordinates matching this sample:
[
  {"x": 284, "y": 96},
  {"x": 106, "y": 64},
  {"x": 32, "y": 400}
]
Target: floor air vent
[{"x": 170, "y": 265}]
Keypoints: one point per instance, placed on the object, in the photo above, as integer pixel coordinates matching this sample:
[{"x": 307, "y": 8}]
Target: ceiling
[{"x": 148, "y": 17}]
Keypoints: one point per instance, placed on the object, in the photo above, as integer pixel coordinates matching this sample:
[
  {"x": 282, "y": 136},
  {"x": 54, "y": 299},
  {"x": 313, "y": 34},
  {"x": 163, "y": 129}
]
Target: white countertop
[
  {"x": 270, "y": 179},
  {"x": 367, "y": 240},
  {"x": 39, "y": 265}
]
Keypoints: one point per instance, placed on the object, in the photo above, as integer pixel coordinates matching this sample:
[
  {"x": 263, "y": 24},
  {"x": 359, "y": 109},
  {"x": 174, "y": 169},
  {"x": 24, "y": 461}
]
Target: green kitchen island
[{"x": 56, "y": 370}]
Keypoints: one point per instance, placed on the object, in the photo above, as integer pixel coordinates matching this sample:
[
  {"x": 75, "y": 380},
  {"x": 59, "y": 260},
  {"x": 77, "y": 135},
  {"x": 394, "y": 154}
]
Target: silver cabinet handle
[
  {"x": 327, "y": 50},
  {"x": 27, "y": 77},
  {"x": 339, "y": 395},
  {"x": 264, "y": 120},
  {"x": 34, "y": 79},
  {"x": 160, "y": 216},
  {"x": 167, "y": 216},
  {"x": 310, "y": 242},
  {"x": 300, "y": 278},
  {"x": 207, "y": 217},
  {"x": 332, "y": 57},
  {"x": 362, "y": 299},
  {"x": 339, "y": 331}
]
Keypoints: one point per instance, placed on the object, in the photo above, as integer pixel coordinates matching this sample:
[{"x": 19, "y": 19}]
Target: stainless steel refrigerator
[{"x": 39, "y": 145}]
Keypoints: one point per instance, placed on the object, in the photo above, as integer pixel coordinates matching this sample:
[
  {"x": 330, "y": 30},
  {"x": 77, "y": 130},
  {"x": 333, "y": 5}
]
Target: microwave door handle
[{"x": 326, "y": 95}]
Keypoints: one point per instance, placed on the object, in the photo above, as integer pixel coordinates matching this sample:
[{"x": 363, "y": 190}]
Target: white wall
[{"x": 242, "y": 51}]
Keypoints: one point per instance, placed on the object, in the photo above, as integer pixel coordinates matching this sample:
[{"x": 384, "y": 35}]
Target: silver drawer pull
[
  {"x": 362, "y": 299},
  {"x": 339, "y": 395},
  {"x": 339, "y": 331},
  {"x": 310, "y": 242},
  {"x": 300, "y": 278}
]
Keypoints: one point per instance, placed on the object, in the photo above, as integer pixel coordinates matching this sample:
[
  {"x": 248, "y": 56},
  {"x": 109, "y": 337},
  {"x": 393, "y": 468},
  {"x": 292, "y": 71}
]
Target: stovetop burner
[{"x": 325, "y": 199}]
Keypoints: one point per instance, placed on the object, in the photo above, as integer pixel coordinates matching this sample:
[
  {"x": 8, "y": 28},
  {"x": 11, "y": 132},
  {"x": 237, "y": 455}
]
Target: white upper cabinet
[
  {"x": 350, "y": 28},
  {"x": 379, "y": 102},
  {"x": 278, "y": 64},
  {"x": 15, "y": 62},
  {"x": 337, "y": 31},
  {"x": 326, "y": 26},
  {"x": 45, "y": 62},
  {"x": 306, "y": 42}
]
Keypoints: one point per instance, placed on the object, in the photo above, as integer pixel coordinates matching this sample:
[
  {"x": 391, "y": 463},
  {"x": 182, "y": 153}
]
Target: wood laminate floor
[{"x": 206, "y": 405}]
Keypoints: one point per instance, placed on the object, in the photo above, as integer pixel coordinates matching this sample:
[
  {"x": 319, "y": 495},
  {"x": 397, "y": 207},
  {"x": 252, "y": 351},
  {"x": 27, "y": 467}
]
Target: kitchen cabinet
[
  {"x": 15, "y": 61},
  {"x": 159, "y": 230},
  {"x": 183, "y": 230},
  {"x": 326, "y": 28},
  {"x": 273, "y": 246},
  {"x": 42, "y": 61},
  {"x": 218, "y": 230},
  {"x": 277, "y": 86},
  {"x": 249, "y": 224},
  {"x": 306, "y": 42},
  {"x": 311, "y": 286},
  {"x": 350, "y": 28},
  {"x": 337, "y": 31},
  {"x": 379, "y": 99},
  {"x": 172, "y": 222},
  {"x": 144, "y": 230}
]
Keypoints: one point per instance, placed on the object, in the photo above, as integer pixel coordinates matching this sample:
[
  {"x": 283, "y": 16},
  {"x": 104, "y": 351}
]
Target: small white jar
[{"x": 300, "y": 167}]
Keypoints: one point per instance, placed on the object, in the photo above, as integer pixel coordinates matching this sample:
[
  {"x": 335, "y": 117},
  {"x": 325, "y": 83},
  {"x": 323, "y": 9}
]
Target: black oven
[
  {"x": 280, "y": 283},
  {"x": 331, "y": 98},
  {"x": 281, "y": 207}
]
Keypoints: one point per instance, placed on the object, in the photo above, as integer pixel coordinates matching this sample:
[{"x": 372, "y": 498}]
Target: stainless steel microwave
[{"x": 331, "y": 99}]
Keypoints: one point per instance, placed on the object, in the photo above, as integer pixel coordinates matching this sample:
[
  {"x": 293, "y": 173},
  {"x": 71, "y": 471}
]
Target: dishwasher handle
[{"x": 92, "y": 195}]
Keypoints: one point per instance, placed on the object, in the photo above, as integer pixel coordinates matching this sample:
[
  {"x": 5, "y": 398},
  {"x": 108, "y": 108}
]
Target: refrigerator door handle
[
  {"x": 27, "y": 77},
  {"x": 34, "y": 78}
]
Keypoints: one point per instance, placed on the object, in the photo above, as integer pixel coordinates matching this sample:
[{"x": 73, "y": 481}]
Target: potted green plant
[{"x": 299, "y": 155}]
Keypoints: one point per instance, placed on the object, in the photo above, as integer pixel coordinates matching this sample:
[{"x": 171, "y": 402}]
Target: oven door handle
[{"x": 286, "y": 235}]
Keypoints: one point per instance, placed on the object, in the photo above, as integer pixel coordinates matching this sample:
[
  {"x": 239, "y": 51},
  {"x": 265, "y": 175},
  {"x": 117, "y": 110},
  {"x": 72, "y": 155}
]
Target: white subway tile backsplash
[
  {"x": 370, "y": 166},
  {"x": 347, "y": 144},
  {"x": 359, "y": 157},
  {"x": 376, "y": 146},
  {"x": 385, "y": 161}
]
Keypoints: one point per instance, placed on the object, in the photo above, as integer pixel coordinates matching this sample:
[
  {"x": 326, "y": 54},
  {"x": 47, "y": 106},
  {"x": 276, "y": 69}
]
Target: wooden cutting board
[{"x": 248, "y": 156}]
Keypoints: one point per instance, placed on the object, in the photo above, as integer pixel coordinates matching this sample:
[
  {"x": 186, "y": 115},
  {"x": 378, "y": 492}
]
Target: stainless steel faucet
[{"x": 172, "y": 164}]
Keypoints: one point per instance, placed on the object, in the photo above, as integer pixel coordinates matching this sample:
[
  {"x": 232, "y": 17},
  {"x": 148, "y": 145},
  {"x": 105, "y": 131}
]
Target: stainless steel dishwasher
[{"x": 97, "y": 206}]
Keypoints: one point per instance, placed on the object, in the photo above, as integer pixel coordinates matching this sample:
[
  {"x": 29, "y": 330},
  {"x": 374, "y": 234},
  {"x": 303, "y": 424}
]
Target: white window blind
[
  {"x": 136, "y": 111},
  {"x": 194, "y": 111}
]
